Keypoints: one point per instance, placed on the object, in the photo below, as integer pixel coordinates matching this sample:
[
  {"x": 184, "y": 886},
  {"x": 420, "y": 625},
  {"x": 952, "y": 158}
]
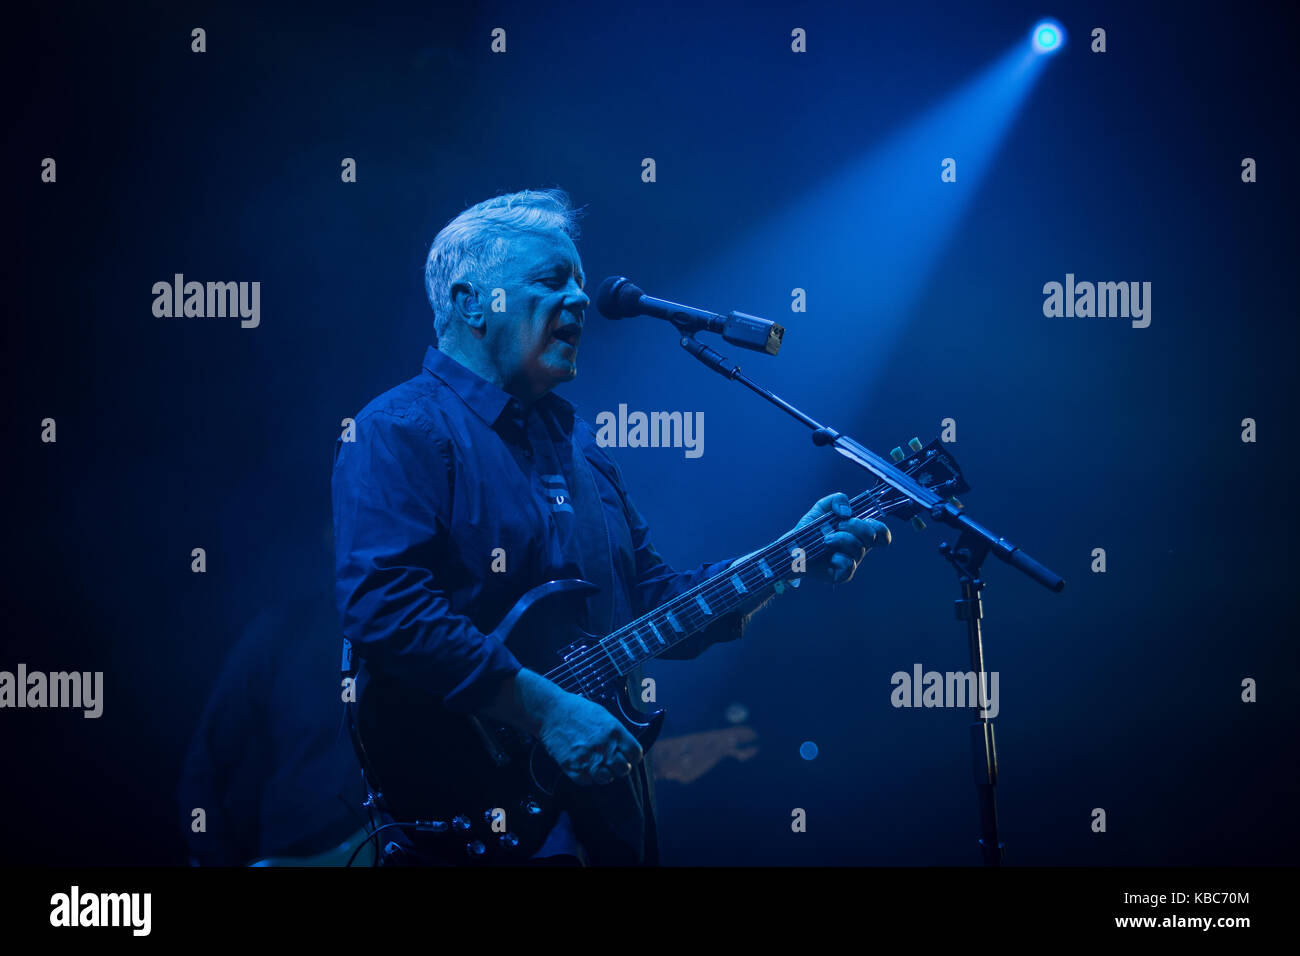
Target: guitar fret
[
  {"x": 762, "y": 566},
  {"x": 699, "y": 599},
  {"x": 738, "y": 584},
  {"x": 641, "y": 642},
  {"x": 658, "y": 637},
  {"x": 672, "y": 621}
]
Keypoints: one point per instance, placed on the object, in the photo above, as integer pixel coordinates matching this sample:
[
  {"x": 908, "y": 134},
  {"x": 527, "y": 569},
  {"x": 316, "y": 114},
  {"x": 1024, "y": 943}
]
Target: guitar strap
[
  {"x": 629, "y": 831},
  {"x": 592, "y": 538},
  {"x": 614, "y": 824}
]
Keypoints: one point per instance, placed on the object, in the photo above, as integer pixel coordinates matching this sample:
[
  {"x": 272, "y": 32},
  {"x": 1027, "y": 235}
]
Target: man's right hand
[
  {"x": 583, "y": 738},
  {"x": 588, "y": 743}
]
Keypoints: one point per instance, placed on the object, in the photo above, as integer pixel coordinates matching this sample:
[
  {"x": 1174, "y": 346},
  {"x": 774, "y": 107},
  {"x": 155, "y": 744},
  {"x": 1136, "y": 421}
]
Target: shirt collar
[{"x": 483, "y": 398}]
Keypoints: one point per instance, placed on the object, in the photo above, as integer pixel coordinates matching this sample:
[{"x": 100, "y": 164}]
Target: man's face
[{"x": 533, "y": 344}]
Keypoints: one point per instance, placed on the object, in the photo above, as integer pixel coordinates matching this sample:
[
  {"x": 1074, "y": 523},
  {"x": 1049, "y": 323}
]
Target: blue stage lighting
[{"x": 1048, "y": 36}]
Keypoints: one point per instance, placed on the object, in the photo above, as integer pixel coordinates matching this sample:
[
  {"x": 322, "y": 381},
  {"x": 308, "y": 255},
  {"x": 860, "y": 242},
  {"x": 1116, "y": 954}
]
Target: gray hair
[{"x": 475, "y": 245}]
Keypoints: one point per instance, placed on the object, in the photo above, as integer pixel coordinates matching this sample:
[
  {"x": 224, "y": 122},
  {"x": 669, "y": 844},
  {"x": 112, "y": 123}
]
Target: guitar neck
[{"x": 690, "y": 612}]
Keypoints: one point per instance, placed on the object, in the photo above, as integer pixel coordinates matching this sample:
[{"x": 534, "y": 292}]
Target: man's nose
[{"x": 576, "y": 298}]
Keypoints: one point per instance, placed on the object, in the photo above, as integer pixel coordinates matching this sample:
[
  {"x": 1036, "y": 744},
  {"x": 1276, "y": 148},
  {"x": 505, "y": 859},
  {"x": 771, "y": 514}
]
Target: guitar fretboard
[{"x": 752, "y": 579}]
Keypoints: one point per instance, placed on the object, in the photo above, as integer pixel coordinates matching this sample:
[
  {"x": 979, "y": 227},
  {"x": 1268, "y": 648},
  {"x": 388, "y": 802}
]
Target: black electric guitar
[{"x": 471, "y": 791}]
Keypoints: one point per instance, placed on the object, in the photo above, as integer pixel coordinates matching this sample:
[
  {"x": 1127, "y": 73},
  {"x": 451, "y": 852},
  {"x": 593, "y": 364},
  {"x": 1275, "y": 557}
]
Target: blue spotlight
[
  {"x": 808, "y": 750},
  {"x": 881, "y": 220},
  {"x": 1048, "y": 36}
]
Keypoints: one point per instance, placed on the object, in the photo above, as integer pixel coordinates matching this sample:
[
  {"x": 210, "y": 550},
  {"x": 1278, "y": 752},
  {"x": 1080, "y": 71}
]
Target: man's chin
[
  {"x": 559, "y": 372},
  {"x": 564, "y": 369}
]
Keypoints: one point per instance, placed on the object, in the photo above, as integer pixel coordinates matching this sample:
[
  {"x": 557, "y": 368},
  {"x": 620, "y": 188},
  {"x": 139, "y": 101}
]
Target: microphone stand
[{"x": 974, "y": 544}]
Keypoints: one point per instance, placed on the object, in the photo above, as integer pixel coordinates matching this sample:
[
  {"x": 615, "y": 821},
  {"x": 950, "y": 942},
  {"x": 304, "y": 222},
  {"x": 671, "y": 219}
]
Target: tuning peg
[
  {"x": 956, "y": 502},
  {"x": 897, "y": 454},
  {"x": 915, "y": 444},
  {"x": 917, "y": 523}
]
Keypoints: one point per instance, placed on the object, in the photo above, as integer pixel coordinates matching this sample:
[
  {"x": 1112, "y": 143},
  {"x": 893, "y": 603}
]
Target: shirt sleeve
[{"x": 391, "y": 496}]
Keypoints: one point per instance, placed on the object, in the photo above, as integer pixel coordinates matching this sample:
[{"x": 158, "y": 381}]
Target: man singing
[{"x": 476, "y": 461}]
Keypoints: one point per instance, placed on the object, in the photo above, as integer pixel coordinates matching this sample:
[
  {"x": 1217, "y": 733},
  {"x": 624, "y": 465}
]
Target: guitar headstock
[{"x": 931, "y": 465}]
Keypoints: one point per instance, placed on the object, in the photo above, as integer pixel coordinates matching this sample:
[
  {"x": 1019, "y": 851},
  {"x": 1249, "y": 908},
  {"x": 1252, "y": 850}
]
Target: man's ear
[{"x": 468, "y": 305}]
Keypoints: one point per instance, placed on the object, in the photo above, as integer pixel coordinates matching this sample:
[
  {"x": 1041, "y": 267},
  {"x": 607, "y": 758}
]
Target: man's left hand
[{"x": 849, "y": 544}]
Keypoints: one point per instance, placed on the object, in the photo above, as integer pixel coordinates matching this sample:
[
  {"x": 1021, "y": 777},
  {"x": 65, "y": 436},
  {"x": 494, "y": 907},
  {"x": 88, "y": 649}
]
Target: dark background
[{"x": 1123, "y": 692}]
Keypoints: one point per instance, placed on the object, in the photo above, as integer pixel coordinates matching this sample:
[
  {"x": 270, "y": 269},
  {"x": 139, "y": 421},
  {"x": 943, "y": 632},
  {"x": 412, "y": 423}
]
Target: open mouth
[{"x": 569, "y": 334}]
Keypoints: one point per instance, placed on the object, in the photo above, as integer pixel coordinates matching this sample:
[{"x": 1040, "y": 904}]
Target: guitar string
[
  {"x": 597, "y": 671},
  {"x": 591, "y": 669}
]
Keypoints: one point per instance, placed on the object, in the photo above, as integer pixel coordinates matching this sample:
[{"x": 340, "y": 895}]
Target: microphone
[{"x": 619, "y": 298}]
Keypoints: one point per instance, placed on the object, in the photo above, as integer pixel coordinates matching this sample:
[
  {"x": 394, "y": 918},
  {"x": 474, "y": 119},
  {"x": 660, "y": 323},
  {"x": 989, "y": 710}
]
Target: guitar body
[{"x": 485, "y": 793}]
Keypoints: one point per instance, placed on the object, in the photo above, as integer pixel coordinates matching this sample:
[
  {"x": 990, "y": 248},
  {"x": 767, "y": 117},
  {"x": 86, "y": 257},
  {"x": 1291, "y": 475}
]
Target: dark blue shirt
[{"x": 445, "y": 469}]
